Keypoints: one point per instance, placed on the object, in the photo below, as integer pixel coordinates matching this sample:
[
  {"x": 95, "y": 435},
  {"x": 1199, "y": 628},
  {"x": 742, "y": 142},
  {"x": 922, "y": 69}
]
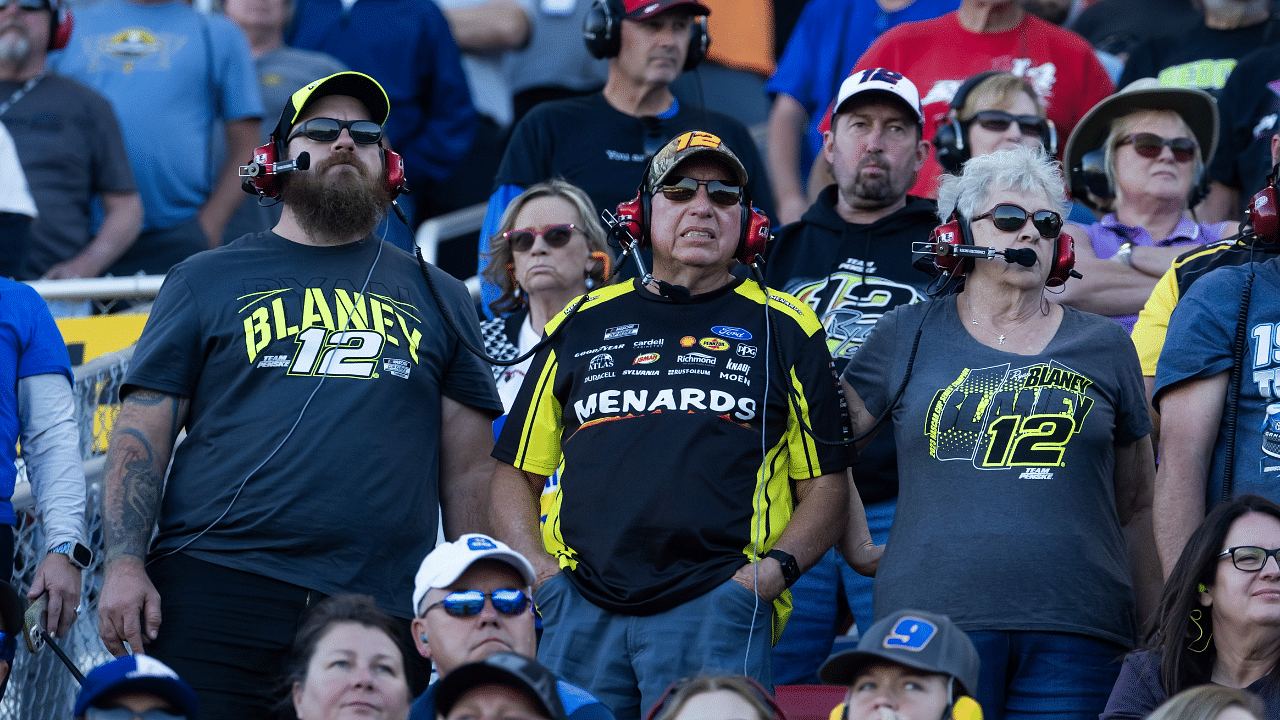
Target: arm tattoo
[
  {"x": 147, "y": 398},
  {"x": 130, "y": 510}
]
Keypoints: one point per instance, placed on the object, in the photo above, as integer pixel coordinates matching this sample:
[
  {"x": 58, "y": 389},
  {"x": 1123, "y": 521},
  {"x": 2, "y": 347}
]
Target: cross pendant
[{"x": 1001, "y": 339}]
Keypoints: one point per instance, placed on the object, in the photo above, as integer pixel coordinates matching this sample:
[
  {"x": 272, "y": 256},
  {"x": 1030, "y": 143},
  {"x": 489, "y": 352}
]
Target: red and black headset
[
  {"x": 268, "y": 185},
  {"x": 635, "y": 214},
  {"x": 956, "y": 232},
  {"x": 60, "y": 25},
  {"x": 1264, "y": 216},
  {"x": 602, "y": 33}
]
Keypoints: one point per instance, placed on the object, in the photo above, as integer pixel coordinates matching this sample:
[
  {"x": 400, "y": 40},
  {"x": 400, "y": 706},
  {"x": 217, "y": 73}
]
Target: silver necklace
[
  {"x": 17, "y": 94},
  {"x": 998, "y": 336}
]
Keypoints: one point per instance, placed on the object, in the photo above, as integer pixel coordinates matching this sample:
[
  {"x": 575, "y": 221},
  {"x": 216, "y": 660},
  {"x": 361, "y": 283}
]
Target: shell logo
[{"x": 688, "y": 341}]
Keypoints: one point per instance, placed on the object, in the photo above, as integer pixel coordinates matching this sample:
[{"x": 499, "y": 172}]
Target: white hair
[{"x": 1019, "y": 169}]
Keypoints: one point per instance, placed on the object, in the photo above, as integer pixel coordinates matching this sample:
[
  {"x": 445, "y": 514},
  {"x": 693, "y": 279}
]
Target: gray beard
[{"x": 14, "y": 50}]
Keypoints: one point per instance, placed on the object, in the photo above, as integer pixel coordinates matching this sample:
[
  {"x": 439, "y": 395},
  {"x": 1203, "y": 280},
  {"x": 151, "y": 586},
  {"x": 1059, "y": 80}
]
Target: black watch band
[{"x": 790, "y": 568}]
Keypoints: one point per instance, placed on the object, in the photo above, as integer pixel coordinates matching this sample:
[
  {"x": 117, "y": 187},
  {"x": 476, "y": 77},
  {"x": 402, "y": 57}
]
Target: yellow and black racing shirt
[{"x": 674, "y": 435}]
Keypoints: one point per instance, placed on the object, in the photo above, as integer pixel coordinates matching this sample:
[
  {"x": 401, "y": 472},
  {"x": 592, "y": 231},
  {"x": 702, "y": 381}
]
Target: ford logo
[{"x": 731, "y": 332}]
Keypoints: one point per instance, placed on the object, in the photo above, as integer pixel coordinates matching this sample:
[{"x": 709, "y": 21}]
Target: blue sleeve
[
  {"x": 580, "y": 704},
  {"x": 43, "y": 350},
  {"x": 797, "y": 68},
  {"x": 236, "y": 74},
  {"x": 449, "y": 119},
  {"x": 1201, "y": 330},
  {"x": 498, "y": 203}
]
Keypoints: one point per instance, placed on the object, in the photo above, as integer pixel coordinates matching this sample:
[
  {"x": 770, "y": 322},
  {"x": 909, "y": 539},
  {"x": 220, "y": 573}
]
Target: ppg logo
[{"x": 911, "y": 634}]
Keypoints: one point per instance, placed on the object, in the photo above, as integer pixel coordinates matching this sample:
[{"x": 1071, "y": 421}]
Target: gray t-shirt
[
  {"x": 71, "y": 150},
  {"x": 349, "y": 502},
  {"x": 1006, "y": 514}
]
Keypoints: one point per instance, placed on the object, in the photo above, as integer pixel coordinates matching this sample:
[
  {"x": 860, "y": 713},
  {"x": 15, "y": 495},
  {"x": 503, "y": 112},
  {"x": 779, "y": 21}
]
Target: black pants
[{"x": 228, "y": 634}]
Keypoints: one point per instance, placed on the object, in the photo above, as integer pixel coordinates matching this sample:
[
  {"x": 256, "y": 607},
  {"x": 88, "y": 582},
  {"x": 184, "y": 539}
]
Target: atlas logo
[
  {"x": 601, "y": 361},
  {"x": 715, "y": 344},
  {"x": 645, "y": 359},
  {"x": 747, "y": 351},
  {"x": 733, "y": 333}
]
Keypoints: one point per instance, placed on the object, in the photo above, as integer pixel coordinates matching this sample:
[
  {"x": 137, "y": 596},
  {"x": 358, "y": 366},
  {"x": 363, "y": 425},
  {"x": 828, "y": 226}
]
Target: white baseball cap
[
  {"x": 443, "y": 566},
  {"x": 880, "y": 80}
]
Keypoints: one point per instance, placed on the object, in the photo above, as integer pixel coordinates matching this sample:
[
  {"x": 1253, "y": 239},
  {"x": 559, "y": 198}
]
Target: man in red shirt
[{"x": 989, "y": 35}]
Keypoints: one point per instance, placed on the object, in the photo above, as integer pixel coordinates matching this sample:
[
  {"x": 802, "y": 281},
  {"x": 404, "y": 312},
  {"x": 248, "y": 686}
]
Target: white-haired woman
[
  {"x": 1023, "y": 454},
  {"x": 1155, "y": 143}
]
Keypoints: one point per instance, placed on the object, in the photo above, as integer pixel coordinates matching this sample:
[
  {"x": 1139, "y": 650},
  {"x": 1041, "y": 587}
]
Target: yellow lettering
[
  {"x": 352, "y": 314},
  {"x": 412, "y": 336},
  {"x": 704, "y": 139},
  {"x": 315, "y": 310},
  {"x": 283, "y": 329},
  {"x": 257, "y": 332},
  {"x": 684, "y": 141}
]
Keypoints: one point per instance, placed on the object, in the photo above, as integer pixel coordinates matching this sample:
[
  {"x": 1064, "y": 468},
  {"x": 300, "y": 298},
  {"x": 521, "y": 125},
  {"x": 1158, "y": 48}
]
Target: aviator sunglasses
[
  {"x": 998, "y": 121},
  {"x": 1011, "y": 218},
  {"x": 1149, "y": 145},
  {"x": 363, "y": 132},
  {"x": 556, "y": 236},
  {"x": 466, "y": 603},
  {"x": 1250, "y": 558},
  {"x": 684, "y": 190}
]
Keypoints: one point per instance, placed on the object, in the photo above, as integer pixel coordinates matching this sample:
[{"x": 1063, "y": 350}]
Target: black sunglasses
[
  {"x": 363, "y": 132},
  {"x": 999, "y": 121},
  {"x": 466, "y": 603},
  {"x": 120, "y": 713},
  {"x": 684, "y": 190},
  {"x": 1149, "y": 145},
  {"x": 1250, "y": 558},
  {"x": 1011, "y": 218},
  {"x": 555, "y": 236}
]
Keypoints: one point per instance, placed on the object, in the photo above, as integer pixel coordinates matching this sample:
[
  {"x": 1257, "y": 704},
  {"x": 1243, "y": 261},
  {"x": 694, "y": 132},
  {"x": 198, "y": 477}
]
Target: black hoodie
[{"x": 851, "y": 275}]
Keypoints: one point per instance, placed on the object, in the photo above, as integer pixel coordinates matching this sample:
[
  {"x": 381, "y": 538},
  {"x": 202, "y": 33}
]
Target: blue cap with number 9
[{"x": 920, "y": 640}]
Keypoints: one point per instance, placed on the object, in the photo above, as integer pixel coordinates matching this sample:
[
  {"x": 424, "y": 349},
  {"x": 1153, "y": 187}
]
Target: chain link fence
[{"x": 40, "y": 686}]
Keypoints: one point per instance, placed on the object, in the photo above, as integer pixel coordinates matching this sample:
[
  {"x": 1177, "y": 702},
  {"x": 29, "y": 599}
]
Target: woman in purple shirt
[{"x": 1139, "y": 156}]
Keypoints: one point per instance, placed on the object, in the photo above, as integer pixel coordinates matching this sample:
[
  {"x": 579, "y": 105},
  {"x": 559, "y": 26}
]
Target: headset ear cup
[
  {"x": 267, "y": 186},
  {"x": 1263, "y": 215},
  {"x": 1064, "y": 260},
  {"x": 601, "y": 28},
  {"x": 63, "y": 23},
  {"x": 630, "y": 215},
  {"x": 952, "y": 233},
  {"x": 948, "y": 143},
  {"x": 755, "y": 235},
  {"x": 395, "y": 173},
  {"x": 699, "y": 42}
]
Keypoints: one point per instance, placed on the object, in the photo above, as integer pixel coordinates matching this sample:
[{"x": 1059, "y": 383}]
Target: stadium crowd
[{"x": 924, "y": 348}]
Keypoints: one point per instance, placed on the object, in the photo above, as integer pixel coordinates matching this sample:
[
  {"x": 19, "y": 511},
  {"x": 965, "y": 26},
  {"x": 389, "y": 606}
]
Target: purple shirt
[{"x": 1108, "y": 234}]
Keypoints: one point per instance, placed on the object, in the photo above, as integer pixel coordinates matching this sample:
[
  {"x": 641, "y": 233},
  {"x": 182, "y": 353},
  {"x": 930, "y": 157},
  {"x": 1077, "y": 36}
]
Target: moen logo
[
  {"x": 733, "y": 333},
  {"x": 645, "y": 359},
  {"x": 716, "y": 344},
  {"x": 696, "y": 359}
]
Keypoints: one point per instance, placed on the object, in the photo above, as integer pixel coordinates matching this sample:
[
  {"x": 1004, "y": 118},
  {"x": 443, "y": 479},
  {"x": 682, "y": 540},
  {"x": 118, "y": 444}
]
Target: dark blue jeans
[{"x": 1042, "y": 674}]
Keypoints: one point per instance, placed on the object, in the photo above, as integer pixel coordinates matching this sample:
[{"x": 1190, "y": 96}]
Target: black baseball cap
[
  {"x": 515, "y": 671},
  {"x": 354, "y": 84},
  {"x": 920, "y": 640}
]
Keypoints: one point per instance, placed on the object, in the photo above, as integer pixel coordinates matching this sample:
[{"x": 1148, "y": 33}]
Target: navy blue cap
[{"x": 137, "y": 674}]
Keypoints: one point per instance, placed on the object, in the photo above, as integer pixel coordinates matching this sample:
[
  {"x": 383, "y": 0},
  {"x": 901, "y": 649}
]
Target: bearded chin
[
  {"x": 14, "y": 49},
  {"x": 336, "y": 208}
]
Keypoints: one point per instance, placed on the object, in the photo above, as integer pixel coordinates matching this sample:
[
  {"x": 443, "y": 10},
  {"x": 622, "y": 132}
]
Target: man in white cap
[{"x": 471, "y": 600}]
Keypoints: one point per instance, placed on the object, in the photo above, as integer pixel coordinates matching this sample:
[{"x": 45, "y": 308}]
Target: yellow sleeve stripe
[
  {"x": 539, "y": 449},
  {"x": 804, "y": 463}
]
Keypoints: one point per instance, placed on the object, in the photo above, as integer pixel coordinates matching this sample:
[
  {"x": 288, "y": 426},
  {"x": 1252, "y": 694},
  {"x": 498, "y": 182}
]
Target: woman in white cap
[{"x": 1140, "y": 156}]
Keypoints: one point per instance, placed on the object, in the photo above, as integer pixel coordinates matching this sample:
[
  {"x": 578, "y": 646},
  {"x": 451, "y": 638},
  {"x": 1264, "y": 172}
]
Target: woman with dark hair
[
  {"x": 1219, "y": 618},
  {"x": 548, "y": 250},
  {"x": 348, "y": 655}
]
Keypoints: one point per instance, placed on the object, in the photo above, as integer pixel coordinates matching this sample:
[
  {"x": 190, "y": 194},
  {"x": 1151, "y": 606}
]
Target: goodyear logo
[
  {"x": 711, "y": 343},
  {"x": 645, "y": 359}
]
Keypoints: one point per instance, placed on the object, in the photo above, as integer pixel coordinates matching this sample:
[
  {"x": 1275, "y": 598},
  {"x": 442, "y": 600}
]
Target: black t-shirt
[
  {"x": 601, "y": 150},
  {"x": 851, "y": 275},
  {"x": 1118, "y": 26},
  {"x": 1202, "y": 58},
  {"x": 1249, "y": 110},
  {"x": 312, "y": 454},
  {"x": 653, "y": 411}
]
